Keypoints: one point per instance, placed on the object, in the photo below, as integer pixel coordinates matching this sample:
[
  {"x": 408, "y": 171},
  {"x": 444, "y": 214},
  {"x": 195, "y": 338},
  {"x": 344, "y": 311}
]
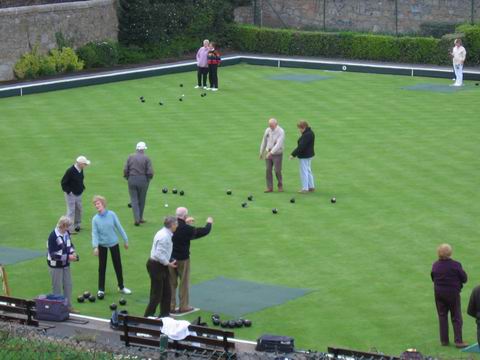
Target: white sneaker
[
  {"x": 100, "y": 293},
  {"x": 125, "y": 291},
  {"x": 205, "y": 87},
  {"x": 196, "y": 87},
  {"x": 214, "y": 89}
]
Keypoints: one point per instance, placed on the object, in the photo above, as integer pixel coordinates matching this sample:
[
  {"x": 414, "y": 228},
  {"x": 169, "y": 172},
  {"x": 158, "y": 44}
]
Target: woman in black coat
[{"x": 305, "y": 153}]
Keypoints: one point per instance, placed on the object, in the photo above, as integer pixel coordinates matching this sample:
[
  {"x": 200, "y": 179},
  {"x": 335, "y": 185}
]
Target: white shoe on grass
[
  {"x": 197, "y": 87},
  {"x": 125, "y": 291},
  {"x": 214, "y": 89},
  {"x": 207, "y": 88}
]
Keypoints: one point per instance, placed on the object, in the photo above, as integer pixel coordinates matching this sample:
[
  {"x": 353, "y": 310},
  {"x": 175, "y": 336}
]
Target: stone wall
[
  {"x": 358, "y": 15},
  {"x": 21, "y": 28}
]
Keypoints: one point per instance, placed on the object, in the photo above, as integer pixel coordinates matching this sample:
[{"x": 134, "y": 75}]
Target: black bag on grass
[{"x": 275, "y": 343}]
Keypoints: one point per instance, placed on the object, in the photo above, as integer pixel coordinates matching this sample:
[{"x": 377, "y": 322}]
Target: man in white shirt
[
  {"x": 271, "y": 150},
  {"x": 458, "y": 54},
  {"x": 157, "y": 267}
]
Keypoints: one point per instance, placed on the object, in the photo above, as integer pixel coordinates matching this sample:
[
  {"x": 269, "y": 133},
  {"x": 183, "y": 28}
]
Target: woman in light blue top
[{"x": 105, "y": 226}]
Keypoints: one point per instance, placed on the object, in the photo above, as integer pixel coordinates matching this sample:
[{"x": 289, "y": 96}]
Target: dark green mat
[
  {"x": 15, "y": 255},
  {"x": 441, "y": 88},
  {"x": 299, "y": 77},
  {"x": 237, "y": 297}
]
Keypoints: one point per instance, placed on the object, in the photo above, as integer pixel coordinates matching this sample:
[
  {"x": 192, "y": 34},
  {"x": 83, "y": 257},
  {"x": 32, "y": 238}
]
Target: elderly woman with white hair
[
  {"x": 60, "y": 253},
  {"x": 448, "y": 278}
]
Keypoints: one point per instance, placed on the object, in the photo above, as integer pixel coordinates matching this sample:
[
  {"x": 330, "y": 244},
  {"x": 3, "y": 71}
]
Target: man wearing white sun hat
[
  {"x": 138, "y": 171},
  {"x": 73, "y": 187}
]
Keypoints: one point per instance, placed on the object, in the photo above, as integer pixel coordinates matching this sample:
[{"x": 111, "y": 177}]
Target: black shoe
[
  {"x": 77, "y": 229},
  {"x": 136, "y": 223}
]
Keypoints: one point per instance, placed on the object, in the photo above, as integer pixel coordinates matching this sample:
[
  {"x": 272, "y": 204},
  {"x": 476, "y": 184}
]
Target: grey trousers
[
  {"x": 137, "y": 188},
  {"x": 62, "y": 283},
  {"x": 275, "y": 162},
  {"x": 74, "y": 209}
]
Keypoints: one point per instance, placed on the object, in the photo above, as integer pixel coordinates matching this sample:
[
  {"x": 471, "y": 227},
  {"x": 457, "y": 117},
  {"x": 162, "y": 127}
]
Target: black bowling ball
[
  {"x": 80, "y": 299},
  {"x": 113, "y": 306},
  {"x": 92, "y": 298},
  {"x": 122, "y": 302}
]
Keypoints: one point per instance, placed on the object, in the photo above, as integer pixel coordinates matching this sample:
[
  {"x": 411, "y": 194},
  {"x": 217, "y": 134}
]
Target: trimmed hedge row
[{"x": 419, "y": 50}]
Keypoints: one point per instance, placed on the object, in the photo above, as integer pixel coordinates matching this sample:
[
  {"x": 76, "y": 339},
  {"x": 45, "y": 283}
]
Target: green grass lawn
[{"x": 403, "y": 165}]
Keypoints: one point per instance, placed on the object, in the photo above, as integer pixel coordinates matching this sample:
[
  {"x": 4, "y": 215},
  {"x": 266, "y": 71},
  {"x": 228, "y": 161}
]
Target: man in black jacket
[
  {"x": 181, "y": 253},
  {"x": 305, "y": 152},
  {"x": 73, "y": 187},
  {"x": 474, "y": 308}
]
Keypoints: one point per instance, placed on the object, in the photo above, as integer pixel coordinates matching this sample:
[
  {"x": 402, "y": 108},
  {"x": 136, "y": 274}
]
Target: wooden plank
[
  {"x": 141, "y": 340},
  {"x": 144, "y": 330},
  {"x": 141, "y": 320},
  {"x": 159, "y": 323},
  {"x": 349, "y": 352},
  {"x": 16, "y": 301},
  {"x": 14, "y": 309},
  {"x": 18, "y": 320}
]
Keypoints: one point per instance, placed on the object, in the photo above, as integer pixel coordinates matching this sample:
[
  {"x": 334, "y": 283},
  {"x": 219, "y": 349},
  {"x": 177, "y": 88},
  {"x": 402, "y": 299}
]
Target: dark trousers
[
  {"x": 449, "y": 302},
  {"x": 102, "y": 265},
  {"x": 202, "y": 73},
  {"x": 478, "y": 330},
  {"x": 213, "y": 76},
  {"x": 160, "y": 291}
]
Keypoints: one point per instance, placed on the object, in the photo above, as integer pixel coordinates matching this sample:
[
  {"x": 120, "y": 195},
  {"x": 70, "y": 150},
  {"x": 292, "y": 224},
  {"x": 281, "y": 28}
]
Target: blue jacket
[{"x": 59, "y": 247}]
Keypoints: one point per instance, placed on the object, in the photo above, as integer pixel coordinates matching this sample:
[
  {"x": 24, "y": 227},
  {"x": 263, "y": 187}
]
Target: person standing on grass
[
  {"x": 181, "y": 253},
  {"x": 138, "y": 171},
  {"x": 202, "y": 65},
  {"x": 157, "y": 267},
  {"x": 271, "y": 149},
  {"x": 60, "y": 253},
  {"x": 73, "y": 187},
  {"x": 214, "y": 61},
  {"x": 458, "y": 54},
  {"x": 474, "y": 308},
  {"x": 448, "y": 278},
  {"x": 305, "y": 153},
  {"x": 105, "y": 225}
]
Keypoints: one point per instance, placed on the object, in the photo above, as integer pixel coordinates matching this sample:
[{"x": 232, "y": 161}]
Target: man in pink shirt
[{"x": 202, "y": 65}]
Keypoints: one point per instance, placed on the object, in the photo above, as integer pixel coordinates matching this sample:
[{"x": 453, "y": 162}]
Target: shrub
[
  {"x": 346, "y": 45},
  {"x": 28, "y": 67},
  {"x": 154, "y": 22},
  {"x": 66, "y": 60},
  {"x": 436, "y": 29},
  {"x": 99, "y": 54},
  {"x": 32, "y": 65},
  {"x": 471, "y": 40}
]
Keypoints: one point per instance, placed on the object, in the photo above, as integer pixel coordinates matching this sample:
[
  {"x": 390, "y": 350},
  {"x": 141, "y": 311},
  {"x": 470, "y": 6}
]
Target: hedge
[
  {"x": 359, "y": 46},
  {"x": 470, "y": 35}
]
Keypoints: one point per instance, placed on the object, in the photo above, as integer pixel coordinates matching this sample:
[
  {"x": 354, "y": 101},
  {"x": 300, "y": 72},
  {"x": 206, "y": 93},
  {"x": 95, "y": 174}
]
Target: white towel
[{"x": 175, "y": 329}]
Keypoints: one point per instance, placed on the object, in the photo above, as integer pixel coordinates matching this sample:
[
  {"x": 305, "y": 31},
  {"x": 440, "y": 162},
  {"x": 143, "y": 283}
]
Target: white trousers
[
  {"x": 458, "y": 74},
  {"x": 306, "y": 176}
]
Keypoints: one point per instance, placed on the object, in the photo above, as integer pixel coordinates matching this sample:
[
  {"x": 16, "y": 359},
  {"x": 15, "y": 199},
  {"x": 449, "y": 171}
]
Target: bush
[
  {"x": 66, "y": 60},
  {"x": 29, "y": 65},
  {"x": 99, "y": 54},
  {"x": 155, "y": 22},
  {"x": 436, "y": 29},
  {"x": 33, "y": 65},
  {"x": 470, "y": 35},
  {"x": 342, "y": 45}
]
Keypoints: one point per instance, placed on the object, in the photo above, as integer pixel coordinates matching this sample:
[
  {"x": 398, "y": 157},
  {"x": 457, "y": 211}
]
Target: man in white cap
[
  {"x": 138, "y": 171},
  {"x": 73, "y": 187}
]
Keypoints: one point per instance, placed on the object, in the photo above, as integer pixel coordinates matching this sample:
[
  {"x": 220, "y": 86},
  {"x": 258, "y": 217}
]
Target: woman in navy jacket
[{"x": 305, "y": 153}]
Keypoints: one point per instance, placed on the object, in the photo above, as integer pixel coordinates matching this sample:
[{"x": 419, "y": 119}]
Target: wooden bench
[
  {"x": 206, "y": 339},
  {"x": 359, "y": 354},
  {"x": 18, "y": 310}
]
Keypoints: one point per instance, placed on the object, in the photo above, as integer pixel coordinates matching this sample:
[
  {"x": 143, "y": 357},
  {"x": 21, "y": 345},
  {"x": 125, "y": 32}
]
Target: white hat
[
  {"x": 141, "y": 146},
  {"x": 83, "y": 160}
]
